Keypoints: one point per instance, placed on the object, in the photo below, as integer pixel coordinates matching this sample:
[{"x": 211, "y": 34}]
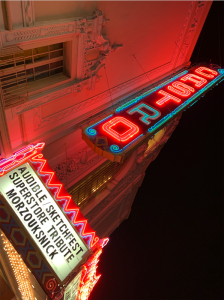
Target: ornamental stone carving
[
  {"x": 28, "y": 13},
  {"x": 71, "y": 167},
  {"x": 94, "y": 41}
]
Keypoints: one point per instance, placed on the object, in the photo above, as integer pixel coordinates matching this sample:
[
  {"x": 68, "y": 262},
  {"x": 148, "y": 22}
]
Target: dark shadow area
[{"x": 171, "y": 246}]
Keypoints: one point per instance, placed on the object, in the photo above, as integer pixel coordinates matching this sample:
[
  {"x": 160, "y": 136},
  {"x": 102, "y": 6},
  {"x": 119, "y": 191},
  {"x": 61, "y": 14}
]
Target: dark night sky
[{"x": 171, "y": 245}]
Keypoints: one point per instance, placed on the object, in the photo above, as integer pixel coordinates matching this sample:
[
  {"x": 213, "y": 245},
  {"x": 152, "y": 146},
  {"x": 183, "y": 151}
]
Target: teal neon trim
[
  {"x": 116, "y": 149},
  {"x": 145, "y": 115},
  {"x": 91, "y": 131},
  {"x": 135, "y": 100},
  {"x": 186, "y": 103}
]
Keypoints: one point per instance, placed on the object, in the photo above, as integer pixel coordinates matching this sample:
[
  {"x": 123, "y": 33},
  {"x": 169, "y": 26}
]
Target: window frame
[{"x": 42, "y": 84}]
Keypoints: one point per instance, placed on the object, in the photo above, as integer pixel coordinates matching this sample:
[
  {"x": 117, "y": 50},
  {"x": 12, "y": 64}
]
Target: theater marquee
[
  {"x": 132, "y": 123},
  {"x": 43, "y": 223},
  {"x": 42, "y": 218}
]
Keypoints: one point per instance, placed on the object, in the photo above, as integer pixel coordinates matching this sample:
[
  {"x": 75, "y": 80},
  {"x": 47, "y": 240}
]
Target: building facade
[{"x": 64, "y": 65}]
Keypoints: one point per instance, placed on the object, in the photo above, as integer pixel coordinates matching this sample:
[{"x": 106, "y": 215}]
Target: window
[
  {"x": 87, "y": 188},
  {"x": 13, "y": 83},
  {"x": 44, "y": 61},
  {"x": 22, "y": 73}
]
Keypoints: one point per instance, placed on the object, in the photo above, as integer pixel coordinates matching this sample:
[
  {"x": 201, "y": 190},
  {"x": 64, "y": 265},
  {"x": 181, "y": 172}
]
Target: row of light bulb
[{"x": 20, "y": 270}]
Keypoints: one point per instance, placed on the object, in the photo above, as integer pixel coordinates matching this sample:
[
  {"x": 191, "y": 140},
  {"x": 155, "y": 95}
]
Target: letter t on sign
[
  {"x": 166, "y": 97},
  {"x": 144, "y": 118}
]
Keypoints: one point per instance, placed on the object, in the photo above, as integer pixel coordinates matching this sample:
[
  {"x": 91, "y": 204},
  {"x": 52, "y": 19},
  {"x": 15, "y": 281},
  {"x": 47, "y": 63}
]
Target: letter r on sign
[{"x": 145, "y": 117}]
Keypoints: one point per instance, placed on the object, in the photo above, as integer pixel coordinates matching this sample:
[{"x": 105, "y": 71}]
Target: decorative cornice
[
  {"x": 81, "y": 25},
  {"x": 36, "y": 33}
]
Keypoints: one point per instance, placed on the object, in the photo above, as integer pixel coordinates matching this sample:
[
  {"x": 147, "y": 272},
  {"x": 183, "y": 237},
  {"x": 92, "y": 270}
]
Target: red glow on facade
[
  {"x": 125, "y": 136},
  {"x": 167, "y": 97},
  {"x": 209, "y": 73},
  {"x": 181, "y": 89},
  {"x": 197, "y": 80}
]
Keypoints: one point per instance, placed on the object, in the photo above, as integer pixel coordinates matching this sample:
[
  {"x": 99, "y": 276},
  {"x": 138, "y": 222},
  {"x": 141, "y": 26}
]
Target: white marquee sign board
[{"x": 43, "y": 220}]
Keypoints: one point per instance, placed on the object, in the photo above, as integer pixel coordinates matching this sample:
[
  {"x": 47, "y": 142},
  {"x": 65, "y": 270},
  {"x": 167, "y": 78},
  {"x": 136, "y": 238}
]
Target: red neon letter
[
  {"x": 166, "y": 98},
  {"x": 181, "y": 89},
  {"x": 198, "y": 81},
  {"x": 123, "y": 137},
  {"x": 201, "y": 69}
]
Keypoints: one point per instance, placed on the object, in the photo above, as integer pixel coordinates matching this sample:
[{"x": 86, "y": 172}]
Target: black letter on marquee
[
  {"x": 13, "y": 175},
  {"x": 22, "y": 169},
  {"x": 11, "y": 194},
  {"x": 53, "y": 254}
]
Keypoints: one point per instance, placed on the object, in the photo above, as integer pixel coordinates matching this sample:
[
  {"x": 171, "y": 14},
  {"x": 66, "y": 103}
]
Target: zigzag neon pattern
[{"x": 64, "y": 200}]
